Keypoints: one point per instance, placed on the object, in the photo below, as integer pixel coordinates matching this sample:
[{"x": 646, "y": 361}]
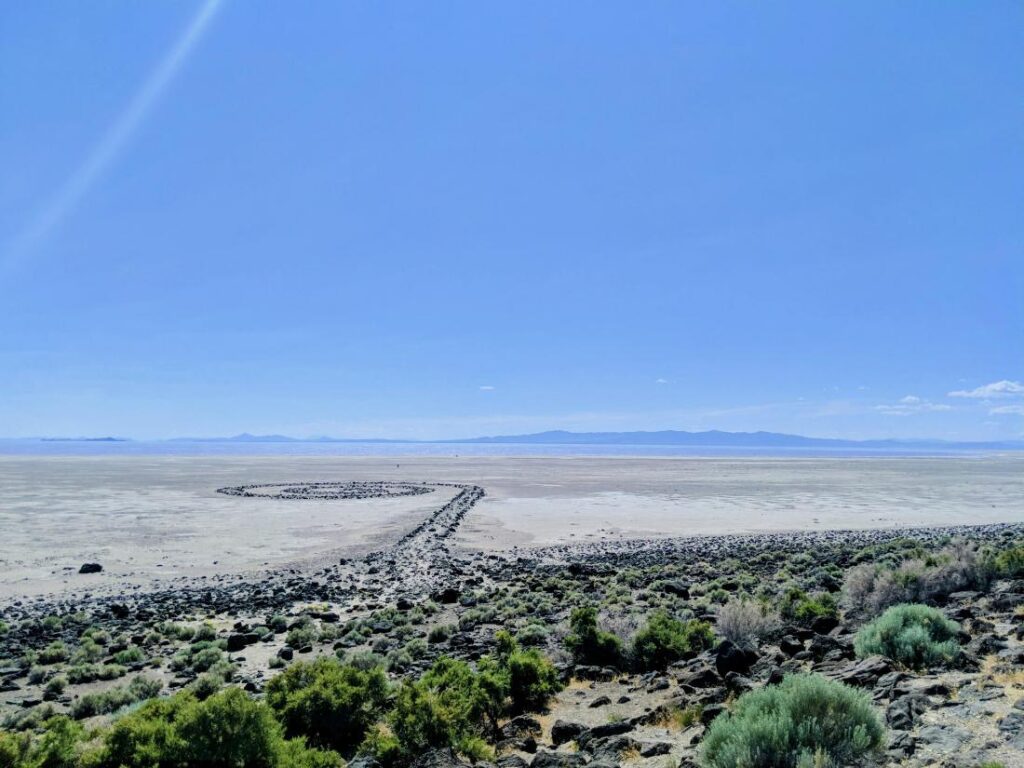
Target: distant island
[{"x": 84, "y": 439}]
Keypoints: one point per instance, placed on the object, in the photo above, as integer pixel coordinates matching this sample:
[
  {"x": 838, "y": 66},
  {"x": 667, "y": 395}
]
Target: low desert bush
[
  {"x": 54, "y": 653},
  {"x": 104, "y": 703},
  {"x": 330, "y": 703},
  {"x": 745, "y": 621},
  {"x": 87, "y": 673},
  {"x": 129, "y": 656},
  {"x": 590, "y": 645},
  {"x": 302, "y": 636},
  {"x": 806, "y": 720},
  {"x": 440, "y": 633},
  {"x": 205, "y": 632},
  {"x": 915, "y": 636},
  {"x": 664, "y": 640},
  {"x": 533, "y": 634},
  {"x": 871, "y": 588},
  {"x": 55, "y": 685}
]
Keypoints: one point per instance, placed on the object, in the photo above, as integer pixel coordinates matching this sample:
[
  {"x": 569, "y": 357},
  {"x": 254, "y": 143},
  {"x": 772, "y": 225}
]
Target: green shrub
[
  {"x": 665, "y": 640},
  {"x": 533, "y": 634},
  {"x": 227, "y": 730},
  {"x": 129, "y": 656},
  {"x": 205, "y": 686},
  {"x": 802, "y": 608},
  {"x": 451, "y": 705},
  {"x": 440, "y": 633},
  {"x": 53, "y": 653},
  {"x": 4, "y": 629},
  {"x": 200, "y": 657},
  {"x": 590, "y": 645},
  {"x": 300, "y": 637},
  {"x": 530, "y": 679},
  {"x": 913, "y": 635},
  {"x": 1009, "y": 563},
  {"x": 803, "y": 718},
  {"x": 55, "y": 685},
  {"x": 104, "y": 703},
  {"x": 58, "y": 746},
  {"x": 14, "y": 749},
  {"x": 89, "y": 651},
  {"x": 205, "y": 632},
  {"x": 331, "y": 704},
  {"x": 87, "y": 673}
]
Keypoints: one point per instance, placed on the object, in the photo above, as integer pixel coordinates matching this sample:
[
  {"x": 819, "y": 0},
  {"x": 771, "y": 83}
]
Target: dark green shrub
[
  {"x": 529, "y": 678},
  {"x": 805, "y": 717},
  {"x": 532, "y": 680},
  {"x": 590, "y": 645},
  {"x": 665, "y": 640},
  {"x": 331, "y": 704},
  {"x": 451, "y": 705},
  {"x": 913, "y": 635}
]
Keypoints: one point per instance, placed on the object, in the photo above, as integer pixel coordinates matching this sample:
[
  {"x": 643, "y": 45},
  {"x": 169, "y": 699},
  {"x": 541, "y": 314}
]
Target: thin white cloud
[
  {"x": 911, "y": 405},
  {"x": 1016, "y": 410},
  {"x": 114, "y": 140},
  {"x": 661, "y": 381},
  {"x": 1004, "y": 388},
  {"x": 486, "y": 388}
]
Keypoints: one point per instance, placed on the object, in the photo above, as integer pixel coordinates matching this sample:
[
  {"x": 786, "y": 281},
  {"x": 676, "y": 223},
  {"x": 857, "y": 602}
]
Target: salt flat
[{"x": 151, "y": 518}]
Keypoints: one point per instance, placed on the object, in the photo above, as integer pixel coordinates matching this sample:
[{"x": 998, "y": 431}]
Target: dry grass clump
[
  {"x": 870, "y": 588},
  {"x": 745, "y": 621}
]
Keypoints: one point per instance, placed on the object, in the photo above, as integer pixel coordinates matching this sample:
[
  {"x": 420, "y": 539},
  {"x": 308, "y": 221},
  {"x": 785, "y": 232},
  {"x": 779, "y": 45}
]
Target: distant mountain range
[
  {"x": 718, "y": 439},
  {"x": 710, "y": 439}
]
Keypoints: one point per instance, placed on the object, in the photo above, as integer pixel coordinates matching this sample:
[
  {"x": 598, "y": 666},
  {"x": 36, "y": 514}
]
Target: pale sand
[{"x": 147, "y": 518}]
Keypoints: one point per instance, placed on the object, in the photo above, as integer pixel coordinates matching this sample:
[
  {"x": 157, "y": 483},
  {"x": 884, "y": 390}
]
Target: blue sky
[{"x": 449, "y": 219}]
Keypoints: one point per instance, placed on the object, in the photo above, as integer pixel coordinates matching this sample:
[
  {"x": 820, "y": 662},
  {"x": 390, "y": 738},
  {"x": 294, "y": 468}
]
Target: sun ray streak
[{"x": 105, "y": 152}]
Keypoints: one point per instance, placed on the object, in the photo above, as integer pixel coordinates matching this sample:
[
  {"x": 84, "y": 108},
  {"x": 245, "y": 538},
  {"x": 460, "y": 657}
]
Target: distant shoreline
[{"x": 56, "y": 447}]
